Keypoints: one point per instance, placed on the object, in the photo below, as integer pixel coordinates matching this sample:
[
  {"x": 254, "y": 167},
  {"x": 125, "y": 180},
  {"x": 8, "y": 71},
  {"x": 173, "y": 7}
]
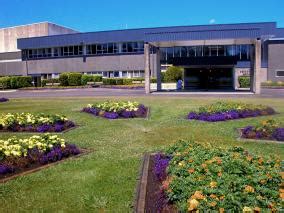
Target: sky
[{"x": 99, "y": 15}]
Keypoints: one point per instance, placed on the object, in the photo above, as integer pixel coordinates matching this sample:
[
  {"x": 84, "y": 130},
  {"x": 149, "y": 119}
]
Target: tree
[{"x": 173, "y": 74}]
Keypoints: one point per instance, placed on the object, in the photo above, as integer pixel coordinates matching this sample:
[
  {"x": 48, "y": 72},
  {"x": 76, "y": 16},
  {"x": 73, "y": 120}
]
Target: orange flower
[
  {"x": 213, "y": 196},
  {"x": 282, "y": 174},
  {"x": 192, "y": 204},
  {"x": 249, "y": 158},
  {"x": 213, "y": 204},
  {"x": 249, "y": 189},
  {"x": 269, "y": 176},
  {"x": 222, "y": 197},
  {"x": 281, "y": 191},
  {"x": 191, "y": 170},
  {"x": 204, "y": 165},
  {"x": 190, "y": 160},
  {"x": 219, "y": 174},
  {"x": 262, "y": 181},
  {"x": 198, "y": 195},
  {"x": 213, "y": 184},
  {"x": 219, "y": 161},
  {"x": 257, "y": 209},
  {"x": 260, "y": 161},
  {"x": 221, "y": 210}
]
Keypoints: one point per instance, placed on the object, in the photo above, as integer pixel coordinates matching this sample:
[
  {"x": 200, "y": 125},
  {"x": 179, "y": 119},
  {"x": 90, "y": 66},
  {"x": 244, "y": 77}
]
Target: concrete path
[{"x": 101, "y": 92}]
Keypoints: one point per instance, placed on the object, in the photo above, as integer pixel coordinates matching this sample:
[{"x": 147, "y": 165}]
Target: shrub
[
  {"x": 5, "y": 82},
  {"x": 127, "y": 81},
  {"x": 98, "y": 78},
  {"x": 153, "y": 80},
  {"x": 63, "y": 79},
  {"x": 86, "y": 78},
  {"x": 208, "y": 179},
  {"x": 49, "y": 81},
  {"x": 114, "y": 110},
  {"x": 173, "y": 74},
  {"x": 16, "y": 82},
  {"x": 109, "y": 81},
  {"x": 74, "y": 79},
  {"x": 244, "y": 81}
]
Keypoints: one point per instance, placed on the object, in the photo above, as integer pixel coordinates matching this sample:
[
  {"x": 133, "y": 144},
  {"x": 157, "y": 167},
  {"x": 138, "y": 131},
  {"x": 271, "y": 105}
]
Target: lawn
[{"x": 105, "y": 179}]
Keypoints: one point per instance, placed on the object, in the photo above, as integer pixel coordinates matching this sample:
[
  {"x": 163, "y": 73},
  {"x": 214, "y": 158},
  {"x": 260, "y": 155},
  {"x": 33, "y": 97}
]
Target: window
[
  {"x": 183, "y": 51},
  {"x": 213, "y": 50},
  {"x": 230, "y": 50},
  {"x": 124, "y": 74},
  {"x": 199, "y": 51},
  {"x": 206, "y": 51},
  {"x": 279, "y": 73},
  {"x": 221, "y": 51},
  {"x": 244, "y": 52},
  {"x": 191, "y": 51}
]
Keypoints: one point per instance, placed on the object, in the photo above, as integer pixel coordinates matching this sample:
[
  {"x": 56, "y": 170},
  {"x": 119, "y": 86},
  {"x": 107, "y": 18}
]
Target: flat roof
[{"x": 174, "y": 33}]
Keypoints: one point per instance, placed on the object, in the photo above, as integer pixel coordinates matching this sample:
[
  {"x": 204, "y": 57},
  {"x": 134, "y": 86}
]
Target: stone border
[
  {"x": 240, "y": 138},
  {"x": 33, "y": 170},
  {"x": 141, "y": 188}
]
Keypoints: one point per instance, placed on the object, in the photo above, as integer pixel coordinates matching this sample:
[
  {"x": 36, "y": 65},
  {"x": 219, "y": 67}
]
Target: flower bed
[
  {"x": 3, "y": 100},
  {"x": 115, "y": 110},
  {"x": 194, "y": 177},
  {"x": 27, "y": 122},
  {"x": 266, "y": 130},
  {"x": 18, "y": 155},
  {"x": 222, "y": 111}
]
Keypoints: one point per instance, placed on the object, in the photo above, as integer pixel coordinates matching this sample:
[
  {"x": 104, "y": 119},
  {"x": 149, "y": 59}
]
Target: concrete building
[{"x": 213, "y": 56}]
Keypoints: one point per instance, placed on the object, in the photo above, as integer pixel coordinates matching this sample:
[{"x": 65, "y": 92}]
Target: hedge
[
  {"x": 244, "y": 81},
  {"x": 49, "y": 81},
  {"x": 63, "y": 79},
  {"x": 74, "y": 79},
  {"x": 125, "y": 81},
  {"x": 15, "y": 82}
]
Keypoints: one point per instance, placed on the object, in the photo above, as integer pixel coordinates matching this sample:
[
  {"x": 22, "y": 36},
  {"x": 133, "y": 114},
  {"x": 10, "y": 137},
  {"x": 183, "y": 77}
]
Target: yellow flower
[
  {"x": 192, "y": 204},
  {"x": 213, "y": 184},
  {"x": 249, "y": 189},
  {"x": 247, "y": 209},
  {"x": 198, "y": 195}
]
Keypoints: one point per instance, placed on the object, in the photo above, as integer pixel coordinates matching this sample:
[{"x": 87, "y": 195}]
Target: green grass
[{"x": 105, "y": 179}]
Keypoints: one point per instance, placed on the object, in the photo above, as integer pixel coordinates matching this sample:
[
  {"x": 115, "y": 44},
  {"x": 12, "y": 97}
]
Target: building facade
[{"x": 213, "y": 56}]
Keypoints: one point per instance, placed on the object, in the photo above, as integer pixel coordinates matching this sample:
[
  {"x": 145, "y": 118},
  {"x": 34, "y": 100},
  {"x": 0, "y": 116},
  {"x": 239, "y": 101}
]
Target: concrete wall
[
  {"x": 13, "y": 68},
  {"x": 101, "y": 63},
  {"x": 275, "y": 61},
  {"x": 9, "y": 36},
  {"x": 92, "y": 64}
]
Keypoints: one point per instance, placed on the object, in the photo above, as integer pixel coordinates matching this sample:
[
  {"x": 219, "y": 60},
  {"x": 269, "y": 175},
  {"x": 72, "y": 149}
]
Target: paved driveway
[{"x": 101, "y": 92}]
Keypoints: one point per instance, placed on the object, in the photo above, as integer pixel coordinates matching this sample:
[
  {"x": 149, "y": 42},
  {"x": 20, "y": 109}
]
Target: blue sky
[{"x": 96, "y": 15}]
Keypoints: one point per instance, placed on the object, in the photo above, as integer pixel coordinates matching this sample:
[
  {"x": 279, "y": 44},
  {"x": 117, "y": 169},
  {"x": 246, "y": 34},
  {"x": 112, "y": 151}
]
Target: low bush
[
  {"x": 86, "y": 78},
  {"x": 15, "y": 82},
  {"x": 267, "y": 130},
  {"x": 97, "y": 78},
  {"x": 199, "y": 178},
  {"x": 74, "y": 79},
  {"x": 244, "y": 81},
  {"x": 63, "y": 79},
  {"x": 273, "y": 83},
  {"x": 114, "y": 110},
  {"x": 27, "y": 122},
  {"x": 229, "y": 110},
  {"x": 49, "y": 81},
  {"x": 17, "y": 154}
]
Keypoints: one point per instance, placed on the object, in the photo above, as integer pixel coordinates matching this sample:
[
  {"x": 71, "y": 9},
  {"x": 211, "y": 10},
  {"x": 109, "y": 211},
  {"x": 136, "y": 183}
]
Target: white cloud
[{"x": 212, "y": 21}]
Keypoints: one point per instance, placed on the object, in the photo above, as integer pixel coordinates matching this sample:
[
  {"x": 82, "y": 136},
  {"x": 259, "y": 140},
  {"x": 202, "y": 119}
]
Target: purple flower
[
  {"x": 4, "y": 99},
  {"x": 91, "y": 110},
  {"x": 4, "y": 169},
  {"x": 58, "y": 127},
  {"x": 111, "y": 115},
  {"x": 192, "y": 115},
  {"x": 127, "y": 114},
  {"x": 278, "y": 134},
  {"x": 247, "y": 130},
  {"x": 161, "y": 162},
  {"x": 43, "y": 128}
]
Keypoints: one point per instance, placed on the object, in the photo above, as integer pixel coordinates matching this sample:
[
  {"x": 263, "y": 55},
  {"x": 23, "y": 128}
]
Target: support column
[
  {"x": 257, "y": 67},
  {"x": 158, "y": 69},
  {"x": 147, "y": 67}
]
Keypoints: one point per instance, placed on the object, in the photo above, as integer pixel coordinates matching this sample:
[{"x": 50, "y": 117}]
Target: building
[{"x": 213, "y": 56}]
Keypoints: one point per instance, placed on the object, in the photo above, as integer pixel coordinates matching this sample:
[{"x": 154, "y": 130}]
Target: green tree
[{"x": 173, "y": 74}]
